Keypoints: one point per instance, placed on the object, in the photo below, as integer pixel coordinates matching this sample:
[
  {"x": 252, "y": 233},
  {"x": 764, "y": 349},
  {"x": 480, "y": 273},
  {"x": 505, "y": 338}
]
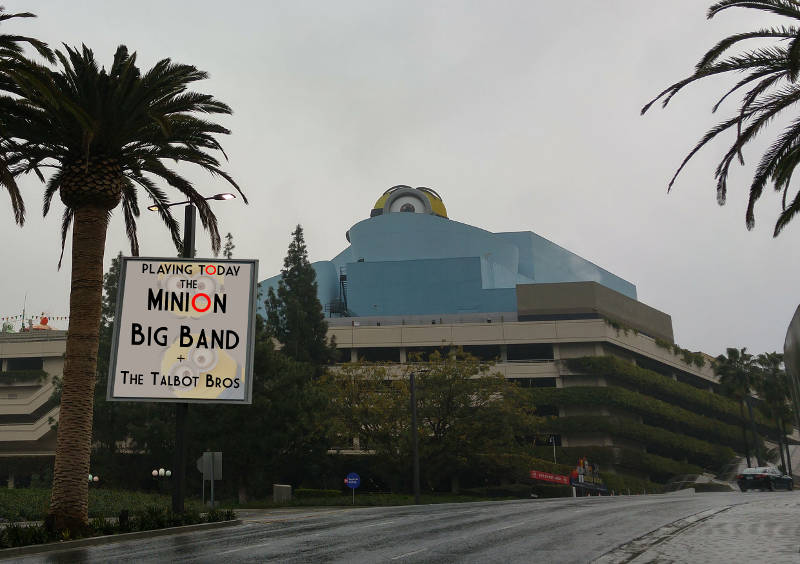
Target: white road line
[
  {"x": 376, "y": 524},
  {"x": 509, "y": 526},
  {"x": 409, "y": 554}
]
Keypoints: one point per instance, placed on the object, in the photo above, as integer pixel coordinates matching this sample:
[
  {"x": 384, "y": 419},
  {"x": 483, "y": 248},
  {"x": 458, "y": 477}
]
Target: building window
[
  {"x": 379, "y": 354},
  {"x": 483, "y": 352},
  {"x": 530, "y": 351},
  {"x": 24, "y": 363}
]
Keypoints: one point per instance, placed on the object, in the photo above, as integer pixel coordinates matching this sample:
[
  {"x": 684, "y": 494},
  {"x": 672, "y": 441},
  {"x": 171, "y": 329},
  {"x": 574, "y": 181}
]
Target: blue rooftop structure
[{"x": 408, "y": 259}]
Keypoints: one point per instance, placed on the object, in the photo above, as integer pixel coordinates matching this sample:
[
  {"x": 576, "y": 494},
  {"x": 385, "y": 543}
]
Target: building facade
[
  {"x": 30, "y": 364},
  {"x": 610, "y": 380}
]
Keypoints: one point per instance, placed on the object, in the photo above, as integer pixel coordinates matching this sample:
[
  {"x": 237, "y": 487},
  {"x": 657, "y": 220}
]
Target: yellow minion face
[
  {"x": 200, "y": 373},
  {"x": 405, "y": 199}
]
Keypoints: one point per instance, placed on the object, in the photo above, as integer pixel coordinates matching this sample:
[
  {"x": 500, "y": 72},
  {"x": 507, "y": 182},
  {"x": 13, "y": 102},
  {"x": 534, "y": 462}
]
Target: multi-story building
[
  {"x": 606, "y": 367},
  {"x": 29, "y": 363}
]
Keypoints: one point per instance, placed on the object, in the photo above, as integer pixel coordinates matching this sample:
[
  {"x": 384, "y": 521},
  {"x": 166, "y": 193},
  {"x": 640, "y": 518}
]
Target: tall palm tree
[
  {"x": 773, "y": 387},
  {"x": 103, "y": 135},
  {"x": 736, "y": 374},
  {"x": 770, "y": 82},
  {"x": 12, "y": 55}
]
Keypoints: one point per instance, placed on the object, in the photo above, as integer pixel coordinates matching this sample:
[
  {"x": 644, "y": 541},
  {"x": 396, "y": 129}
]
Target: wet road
[{"x": 555, "y": 530}]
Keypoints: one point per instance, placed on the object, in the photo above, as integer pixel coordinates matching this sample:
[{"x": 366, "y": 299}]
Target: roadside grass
[{"x": 31, "y": 504}]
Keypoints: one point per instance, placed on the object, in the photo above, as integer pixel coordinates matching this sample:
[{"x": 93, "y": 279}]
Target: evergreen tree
[
  {"x": 227, "y": 250},
  {"x": 294, "y": 313}
]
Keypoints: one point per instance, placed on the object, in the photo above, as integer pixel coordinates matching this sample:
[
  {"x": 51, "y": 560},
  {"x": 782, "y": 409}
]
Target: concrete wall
[{"x": 540, "y": 301}]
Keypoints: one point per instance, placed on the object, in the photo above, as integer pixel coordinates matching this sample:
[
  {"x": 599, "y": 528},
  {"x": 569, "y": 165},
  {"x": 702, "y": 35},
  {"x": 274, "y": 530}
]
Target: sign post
[
  {"x": 184, "y": 333},
  {"x": 352, "y": 481}
]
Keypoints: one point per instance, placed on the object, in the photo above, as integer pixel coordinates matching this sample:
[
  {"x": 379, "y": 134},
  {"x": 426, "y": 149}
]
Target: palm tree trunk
[
  {"x": 70, "y": 496},
  {"x": 744, "y": 434}
]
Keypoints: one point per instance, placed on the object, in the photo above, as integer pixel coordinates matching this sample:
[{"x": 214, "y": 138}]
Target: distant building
[
  {"x": 413, "y": 281},
  {"x": 29, "y": 363}
]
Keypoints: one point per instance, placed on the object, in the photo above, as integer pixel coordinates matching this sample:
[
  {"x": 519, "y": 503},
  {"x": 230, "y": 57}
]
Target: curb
[{"x": 109, "y": 539}]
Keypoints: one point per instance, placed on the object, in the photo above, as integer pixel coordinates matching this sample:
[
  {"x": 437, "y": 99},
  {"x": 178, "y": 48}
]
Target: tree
[
  {"x": 281, "y": 437},
  {"x": 773, "y": 388},
  {"x": 227, "y": 251},
  {"x": 103, "y": 134},
  {"x": 736, "y": 374},
  {"x": 11, "y": 59},
  {"x": 771, "y": 73},
  {"x": 467, "y": 415},
  {"x": 294, "y": 314}
]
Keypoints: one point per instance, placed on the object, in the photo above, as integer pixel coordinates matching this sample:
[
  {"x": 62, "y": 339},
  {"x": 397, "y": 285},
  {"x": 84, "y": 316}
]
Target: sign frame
[{"x": 249, "y": 347}]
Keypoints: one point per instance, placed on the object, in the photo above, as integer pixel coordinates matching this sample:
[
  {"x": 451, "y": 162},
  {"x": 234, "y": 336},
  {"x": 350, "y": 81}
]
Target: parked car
[{"x": 764, "y": 478}]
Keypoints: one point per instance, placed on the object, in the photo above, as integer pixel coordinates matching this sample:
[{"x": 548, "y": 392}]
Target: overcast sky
[{"x": 522, "y": 115}]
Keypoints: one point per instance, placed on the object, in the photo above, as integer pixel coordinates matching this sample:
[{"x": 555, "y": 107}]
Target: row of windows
[
  {"x": 24, "y": 363},
  {"x": 516, "y": 352}
]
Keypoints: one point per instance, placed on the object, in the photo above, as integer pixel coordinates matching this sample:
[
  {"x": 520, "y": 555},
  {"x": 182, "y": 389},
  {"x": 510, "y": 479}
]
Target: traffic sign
[{"x": 353, "y": 480}]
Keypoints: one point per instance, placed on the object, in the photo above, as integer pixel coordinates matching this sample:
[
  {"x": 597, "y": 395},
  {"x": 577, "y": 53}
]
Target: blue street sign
[{"x": 353, "y": 480}]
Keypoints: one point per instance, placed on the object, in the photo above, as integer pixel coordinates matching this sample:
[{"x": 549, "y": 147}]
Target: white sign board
[{"x": 184, "y": 331}]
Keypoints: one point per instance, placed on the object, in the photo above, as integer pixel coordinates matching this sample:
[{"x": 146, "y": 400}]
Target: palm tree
[
  {"x": 770, "y": 81},
  {"x": 773, "y": 387},
  {"x": 103, "y": 134},
  {"x": 735, "y": 373},
  {"x": 11, "y": 55}
]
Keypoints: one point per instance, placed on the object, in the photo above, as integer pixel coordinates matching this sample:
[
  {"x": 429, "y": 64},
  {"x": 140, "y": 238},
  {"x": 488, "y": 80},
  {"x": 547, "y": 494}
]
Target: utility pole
[{"x": 414, "y": 441}]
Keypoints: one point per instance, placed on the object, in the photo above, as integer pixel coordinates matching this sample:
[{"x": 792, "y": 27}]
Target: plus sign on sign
[{"x": 352, "y": 481}]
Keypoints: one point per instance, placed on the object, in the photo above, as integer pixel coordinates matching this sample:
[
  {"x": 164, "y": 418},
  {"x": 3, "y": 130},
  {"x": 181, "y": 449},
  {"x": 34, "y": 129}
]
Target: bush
[
  {"x": 659, "y": 386},
  {"x": 305, "y": 493},
  {"x": 660, "y": 441},
  {"x": 654, "y": 410}
]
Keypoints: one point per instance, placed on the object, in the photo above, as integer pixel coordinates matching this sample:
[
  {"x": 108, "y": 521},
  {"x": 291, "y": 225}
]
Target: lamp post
[
  {"x": 414, "y": 433},
  {"x": 182, "y": 409}
]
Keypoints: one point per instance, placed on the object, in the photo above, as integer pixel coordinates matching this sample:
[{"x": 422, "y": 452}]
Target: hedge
[
  {"x": 657, "y": 411},
  {"x": 659, "y": 441},
  {"x": 658, "y": 385},
  {"x": 659, "y": 468}
]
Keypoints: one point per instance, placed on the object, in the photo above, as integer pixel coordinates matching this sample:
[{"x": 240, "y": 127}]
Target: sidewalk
[{"x": 760, "y": 531}]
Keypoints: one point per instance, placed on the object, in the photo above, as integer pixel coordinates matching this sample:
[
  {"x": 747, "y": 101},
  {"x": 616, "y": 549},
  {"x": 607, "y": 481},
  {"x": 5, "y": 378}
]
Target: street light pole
[
  {"x": 414, "y": 441},
  {"x": 182, "y": 409}
]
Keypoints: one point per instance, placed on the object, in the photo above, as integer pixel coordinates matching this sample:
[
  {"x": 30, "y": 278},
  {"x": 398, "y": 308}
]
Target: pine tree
[
  {"x": 227, "y": 251},
  {"x": 294, "y": 313}
]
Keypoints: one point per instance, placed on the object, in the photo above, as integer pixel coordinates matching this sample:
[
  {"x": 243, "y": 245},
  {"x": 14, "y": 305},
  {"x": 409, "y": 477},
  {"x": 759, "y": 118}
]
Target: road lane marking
[
  {"x": 510, "y": 526},
  {"x": 376, "y": 524},
  {"x": 409, "y": 554}
]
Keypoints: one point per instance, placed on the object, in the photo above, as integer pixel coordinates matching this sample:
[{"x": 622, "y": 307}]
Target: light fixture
[
  {"x": 155, "y": 473},
  {"x": 225, "y": 196}
]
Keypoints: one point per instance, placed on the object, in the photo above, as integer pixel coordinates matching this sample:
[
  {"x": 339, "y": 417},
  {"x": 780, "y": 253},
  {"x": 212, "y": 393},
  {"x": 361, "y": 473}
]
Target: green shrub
[
  {"x": 305, "y": 493},
  {"x": 659, "y": 441},
  {"x": 659, "y": 386},
  {"x": 656, "y": 411}
]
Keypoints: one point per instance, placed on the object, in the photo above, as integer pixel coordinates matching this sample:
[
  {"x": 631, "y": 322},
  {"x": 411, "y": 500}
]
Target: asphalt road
[{"x": 554, "y": 530}]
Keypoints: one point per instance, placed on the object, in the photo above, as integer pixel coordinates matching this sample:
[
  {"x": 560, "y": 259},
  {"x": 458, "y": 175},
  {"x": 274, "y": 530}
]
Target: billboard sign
[
  {"x": 184, "y": 331},
  {"x": 548, "y": 477}
]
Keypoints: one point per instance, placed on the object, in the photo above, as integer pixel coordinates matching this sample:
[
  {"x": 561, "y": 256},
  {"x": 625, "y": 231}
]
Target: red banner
[{"x": 547, "y": 477}]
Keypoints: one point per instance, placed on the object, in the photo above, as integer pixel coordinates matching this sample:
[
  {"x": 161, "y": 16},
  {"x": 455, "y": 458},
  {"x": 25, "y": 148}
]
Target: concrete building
[
  {"x": 413, "y": 281},
  {"x": 29, "y": 363}
]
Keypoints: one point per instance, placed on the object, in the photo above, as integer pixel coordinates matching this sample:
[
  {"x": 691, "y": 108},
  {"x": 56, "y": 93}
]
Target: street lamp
[
  {"x": 182, "y": 409},
  {"x": 224, "y": 196},
  {"x": 414, "y": 438}
]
